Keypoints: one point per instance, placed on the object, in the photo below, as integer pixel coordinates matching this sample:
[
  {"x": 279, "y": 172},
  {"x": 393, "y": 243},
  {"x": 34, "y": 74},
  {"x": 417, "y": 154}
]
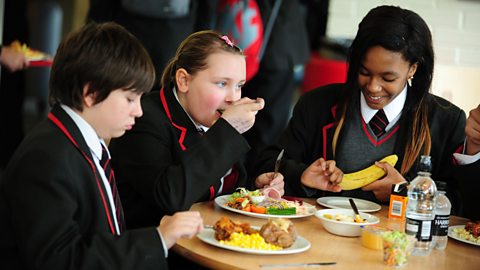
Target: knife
[
  {"x": 285, "y": 265},
  {"x": 277, "y": 163}
]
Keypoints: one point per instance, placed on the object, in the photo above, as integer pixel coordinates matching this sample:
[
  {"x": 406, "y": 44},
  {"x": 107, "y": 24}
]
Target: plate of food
[
  {"x": 469, "y": 233},
  {"x": 34, "y": 57},
  {"x": 40, "y": 63},
  {"x": 261, "y": 205},
  {"x": 342, "y": 202},
  {"x": 275, "y": 237}
]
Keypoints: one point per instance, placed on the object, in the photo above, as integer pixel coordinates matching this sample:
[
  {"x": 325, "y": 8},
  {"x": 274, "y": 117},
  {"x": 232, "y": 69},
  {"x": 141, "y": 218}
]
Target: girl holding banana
[{"x": 339, "y": 132}]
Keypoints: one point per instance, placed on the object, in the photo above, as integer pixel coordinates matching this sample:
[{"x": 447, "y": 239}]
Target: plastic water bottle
[
  {"x": 442, "y": 216},
  {"x": 420, "y": 208}
]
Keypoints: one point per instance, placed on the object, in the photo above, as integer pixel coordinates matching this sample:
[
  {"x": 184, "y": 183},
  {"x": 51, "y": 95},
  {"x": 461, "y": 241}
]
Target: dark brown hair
[
  {"x": 105, "y": 57},
  {"x": 193, "y": 52},
  {"x": 404, "y": 31}
]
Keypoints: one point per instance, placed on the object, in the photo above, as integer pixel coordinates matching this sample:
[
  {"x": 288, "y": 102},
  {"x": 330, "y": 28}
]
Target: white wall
[{"x": 455, "y": 26}]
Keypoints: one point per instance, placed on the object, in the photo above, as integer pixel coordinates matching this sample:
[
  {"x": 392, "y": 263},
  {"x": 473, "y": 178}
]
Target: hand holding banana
[{"x": 366, "y": 176}]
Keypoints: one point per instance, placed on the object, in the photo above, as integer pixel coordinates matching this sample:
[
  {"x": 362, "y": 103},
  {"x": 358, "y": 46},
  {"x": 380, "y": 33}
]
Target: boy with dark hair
[{"x": 58, "y": 201}]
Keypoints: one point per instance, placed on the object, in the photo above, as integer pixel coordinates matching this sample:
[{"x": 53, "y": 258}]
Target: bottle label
[
  {"x": 398, "y": 206},
  {"x": 440, "y": 227},
  {"x": 422, "y": 229}
]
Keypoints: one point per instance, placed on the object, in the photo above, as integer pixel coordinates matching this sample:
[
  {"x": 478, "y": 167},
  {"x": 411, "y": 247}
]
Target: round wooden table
[{"x": 346, "y": 252}]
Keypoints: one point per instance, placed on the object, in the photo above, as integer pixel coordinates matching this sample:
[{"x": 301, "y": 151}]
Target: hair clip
[{"x": 227, "y": 40}]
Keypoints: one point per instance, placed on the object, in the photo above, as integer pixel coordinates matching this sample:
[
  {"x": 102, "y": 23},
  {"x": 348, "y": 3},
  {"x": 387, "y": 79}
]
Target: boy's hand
[
  {"x": 241, "y": 114},
  {"x": 181, "y": 224},
  {"x": 472, "y": 130}
]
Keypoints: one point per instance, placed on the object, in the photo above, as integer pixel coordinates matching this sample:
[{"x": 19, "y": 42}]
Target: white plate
[
  {"x": 342, "y": 202},
  {"x": 453, "y": 235},
  {"x": 222, "y": 201},
  {"x": 300, "y": 245}
]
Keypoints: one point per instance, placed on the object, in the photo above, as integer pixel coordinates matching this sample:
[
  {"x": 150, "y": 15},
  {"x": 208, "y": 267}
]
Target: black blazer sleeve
[
  {"x": 469, "y": 187},
  {"x": 154, "y": 171},
  {"x": 53, "y": 217},
  {"x": 306, "y": 138}
]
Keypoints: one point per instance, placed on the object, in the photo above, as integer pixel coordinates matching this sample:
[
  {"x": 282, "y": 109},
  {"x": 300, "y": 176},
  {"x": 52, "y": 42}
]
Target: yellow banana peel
[{"x": 366, "y": 176}]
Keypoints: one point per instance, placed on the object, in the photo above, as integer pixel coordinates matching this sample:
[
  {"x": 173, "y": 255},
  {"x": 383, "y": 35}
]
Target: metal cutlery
[
  {"x": 285, "y": 265},
  {"x": 355, "y": 209},
  {"x": 277, "y": 163}
]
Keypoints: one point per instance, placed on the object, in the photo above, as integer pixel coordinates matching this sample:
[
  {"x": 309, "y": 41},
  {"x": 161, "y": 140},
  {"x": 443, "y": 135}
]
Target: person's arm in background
[
  {"x": 468, "y": 183},
  {"x": 472, "y": 131},
  {"x": 12, "y": 59},
  {"x": 103, "y": 10},
  {"x": 471, "y": 148}
]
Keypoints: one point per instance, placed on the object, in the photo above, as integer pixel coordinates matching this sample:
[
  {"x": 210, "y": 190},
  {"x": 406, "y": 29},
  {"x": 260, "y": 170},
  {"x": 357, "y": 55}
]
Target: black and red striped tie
[
  {"x": 107, "y": 168},
  {"x": 378, "y": 123}
]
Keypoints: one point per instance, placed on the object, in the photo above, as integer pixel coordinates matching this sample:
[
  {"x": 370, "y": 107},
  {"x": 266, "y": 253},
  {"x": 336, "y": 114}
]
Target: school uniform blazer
[
  {"x": 164, "y": 165},
  {"x": 310, "y": 133},
  {"x": 468, "y": 190},
  {"x": 52, "y": 212}
]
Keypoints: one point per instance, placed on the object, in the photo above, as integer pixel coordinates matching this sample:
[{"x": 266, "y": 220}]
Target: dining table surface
[{"x": 344, "y": 252}]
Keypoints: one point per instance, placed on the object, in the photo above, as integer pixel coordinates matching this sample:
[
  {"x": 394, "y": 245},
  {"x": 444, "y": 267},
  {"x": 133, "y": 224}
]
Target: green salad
[{"x": 396, "y": 247}]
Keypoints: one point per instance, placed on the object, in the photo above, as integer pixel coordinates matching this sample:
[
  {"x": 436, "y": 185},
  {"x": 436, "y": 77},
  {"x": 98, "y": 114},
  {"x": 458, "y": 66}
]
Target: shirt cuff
[
  {"x": 165, "y": 249},
  {"x": 463, "y": 159}
]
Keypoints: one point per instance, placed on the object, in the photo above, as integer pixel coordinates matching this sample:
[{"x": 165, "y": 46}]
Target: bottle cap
[
  {"x": 425, "y": 164},
  {"x": 441, "y": 186}
]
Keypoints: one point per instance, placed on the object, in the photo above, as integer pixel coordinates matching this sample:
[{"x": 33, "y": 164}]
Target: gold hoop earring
[{"x": 409, "y": 81}]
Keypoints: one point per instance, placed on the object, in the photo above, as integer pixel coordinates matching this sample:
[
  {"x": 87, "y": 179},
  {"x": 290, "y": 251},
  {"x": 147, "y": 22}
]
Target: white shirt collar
[
  {"x": 95, "y": 144},
  {"x": 88, "y": 133},
  {"x": 198, "y": 126},
  {"x": 392, "y": 110}
]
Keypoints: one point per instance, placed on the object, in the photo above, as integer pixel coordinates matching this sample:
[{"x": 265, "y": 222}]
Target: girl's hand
[
  {"x": 266, "y": 180},
  {"x": 382, "y": 188},
  {"x": 241, "y": 114},
  {"x": 323, "y": 175}
]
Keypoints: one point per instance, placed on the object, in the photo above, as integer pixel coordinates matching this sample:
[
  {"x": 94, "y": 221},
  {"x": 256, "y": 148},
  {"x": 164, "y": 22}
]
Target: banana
[{"x": 366, "y": 176}]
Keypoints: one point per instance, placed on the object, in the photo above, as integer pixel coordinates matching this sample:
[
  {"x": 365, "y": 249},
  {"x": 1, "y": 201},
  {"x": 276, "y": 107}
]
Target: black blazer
[
  {"x": 310, "y": 132},
  {"x": 53, "y": 215},
  {"x": 164, "y": 165}
]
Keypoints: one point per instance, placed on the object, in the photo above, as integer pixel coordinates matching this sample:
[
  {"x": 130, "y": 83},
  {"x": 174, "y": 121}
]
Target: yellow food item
[
  {"x": 344, "y": 218},
  {"x": 372, "y": 238},
  {"x": 329, "y": 216},
  {"x": 253, "y": 241},
  {"x": 466, "y": 235},
  {"x": 29, "y": 53},
  {"x": 366, "y": 176}
]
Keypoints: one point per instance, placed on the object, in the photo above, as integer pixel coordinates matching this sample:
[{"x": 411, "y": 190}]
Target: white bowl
[{"x": 344, "y": 228}]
